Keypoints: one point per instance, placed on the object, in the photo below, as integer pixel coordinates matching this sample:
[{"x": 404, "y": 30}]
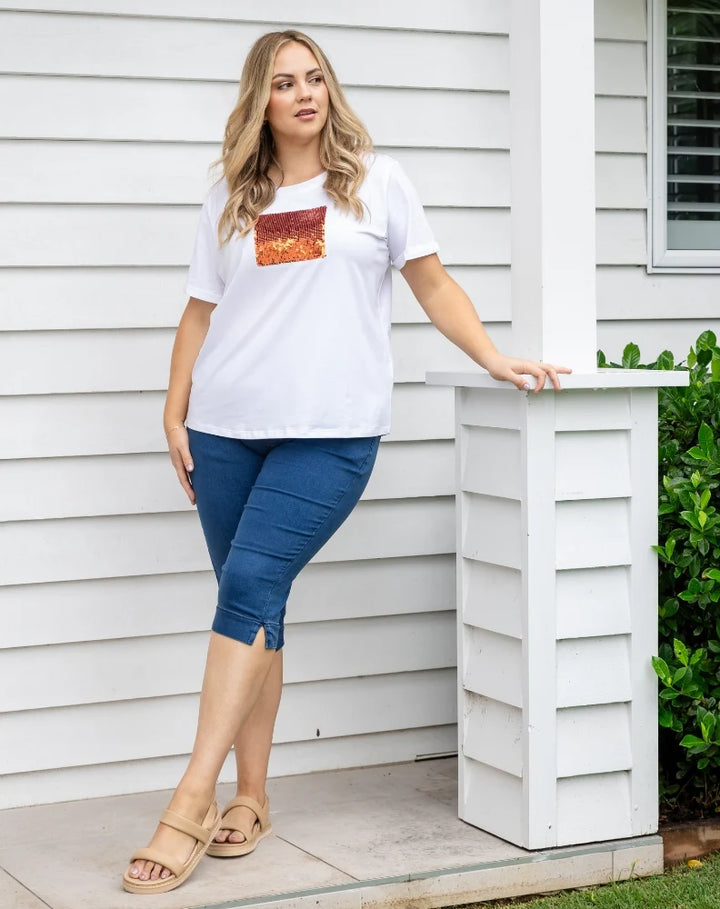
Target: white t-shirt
[{"x": 299, "y": 342}]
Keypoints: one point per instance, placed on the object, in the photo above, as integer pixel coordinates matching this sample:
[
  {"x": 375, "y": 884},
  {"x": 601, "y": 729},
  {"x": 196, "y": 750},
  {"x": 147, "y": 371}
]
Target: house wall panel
[
  {"x": 84, "y": 235},
  {"x": 177, "y": 173},
  {"x": 40, "y": 488},
  {"x": 592, "y": 602},
  {"x": 287, "y": 758},
  {"x": 593, "y": 671},
  {"x": 141, "y": 47},
  {"x": 486, "y": 16},
  {"x": 606, "y": 797},
  {"x": 166, "y": 665},
  {"x": 167, "y": 604},
  {"x": 493, "y": 666},
  {"x": 126, "y": 545},
  {"x": 96, "y": 733},
  {"x": 89, "y": 424},
  {"x": 195, "y": 111},
  {"x": 130, "y": 136},
  {"x": 593, "y": 739},
  {"x": 67, "y": 298},
  {"x": 500, "y": 747}
]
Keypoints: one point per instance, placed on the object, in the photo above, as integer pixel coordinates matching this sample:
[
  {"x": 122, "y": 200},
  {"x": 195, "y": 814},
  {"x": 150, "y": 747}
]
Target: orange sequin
[{"x": 290, "y": 236}]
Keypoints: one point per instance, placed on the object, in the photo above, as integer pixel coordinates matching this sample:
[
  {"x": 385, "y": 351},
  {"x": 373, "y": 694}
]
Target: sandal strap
[
  {"x": 244, "y": 801},
  {"x": 185, "y": 825},
  {"x": 160, "y": 858}
]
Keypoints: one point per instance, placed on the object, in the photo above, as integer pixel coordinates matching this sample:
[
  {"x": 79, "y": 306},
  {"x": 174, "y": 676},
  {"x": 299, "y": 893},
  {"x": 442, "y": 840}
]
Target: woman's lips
[{"x": 305, "y": 114}]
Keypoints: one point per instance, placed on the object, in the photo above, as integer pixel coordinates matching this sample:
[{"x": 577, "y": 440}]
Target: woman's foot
[
  {"x": 243, "y": 817},
  {"x": 178, "y": 845}
]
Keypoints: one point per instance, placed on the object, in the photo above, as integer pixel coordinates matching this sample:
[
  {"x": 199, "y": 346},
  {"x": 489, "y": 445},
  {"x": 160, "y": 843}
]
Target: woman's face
[{"x": 298, "y": 105}]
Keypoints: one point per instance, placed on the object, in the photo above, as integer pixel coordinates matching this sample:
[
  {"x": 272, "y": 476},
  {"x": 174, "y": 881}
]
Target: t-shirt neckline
[{"x": 306, "y": 184}]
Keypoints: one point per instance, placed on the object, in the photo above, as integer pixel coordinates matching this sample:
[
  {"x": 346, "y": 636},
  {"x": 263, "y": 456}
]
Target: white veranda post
[{"x": 556, "y": 495}]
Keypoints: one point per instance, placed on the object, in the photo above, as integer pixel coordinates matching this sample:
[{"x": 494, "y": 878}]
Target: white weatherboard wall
[
  {"x": 111, "y": 112},
  {"x": 110, "y": 115}
]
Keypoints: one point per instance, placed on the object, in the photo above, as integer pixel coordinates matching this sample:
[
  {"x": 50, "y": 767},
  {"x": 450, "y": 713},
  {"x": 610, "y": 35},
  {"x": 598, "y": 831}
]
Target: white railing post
[{"x": 557, "y": 502}]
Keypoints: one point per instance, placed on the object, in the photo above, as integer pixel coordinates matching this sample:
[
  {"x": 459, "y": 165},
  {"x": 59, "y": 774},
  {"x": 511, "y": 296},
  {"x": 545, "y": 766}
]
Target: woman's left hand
[{"x": 512, "y": 369}]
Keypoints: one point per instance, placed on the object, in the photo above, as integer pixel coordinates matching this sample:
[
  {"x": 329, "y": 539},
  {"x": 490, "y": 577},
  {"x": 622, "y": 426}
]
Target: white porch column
[
  {"x": 557, "y": 502},
  {"x": 552, "y": 155}
]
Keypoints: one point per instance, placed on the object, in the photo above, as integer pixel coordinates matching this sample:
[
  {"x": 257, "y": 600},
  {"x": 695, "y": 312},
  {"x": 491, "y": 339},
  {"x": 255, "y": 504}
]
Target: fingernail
[
  {"x": 190, "y": 467},
  {"x": 526, "y": 387}
]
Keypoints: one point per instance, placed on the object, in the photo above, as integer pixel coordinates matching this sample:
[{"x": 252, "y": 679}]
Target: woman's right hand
[{"x": 179, "y": 448}]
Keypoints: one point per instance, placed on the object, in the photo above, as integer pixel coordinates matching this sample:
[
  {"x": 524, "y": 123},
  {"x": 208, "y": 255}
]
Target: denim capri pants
[{"x": 266, "y": 506}]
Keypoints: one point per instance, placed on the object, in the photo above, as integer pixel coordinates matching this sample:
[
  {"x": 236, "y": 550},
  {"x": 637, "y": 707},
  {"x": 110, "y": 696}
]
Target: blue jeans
[{"x": 266, "y": 506}]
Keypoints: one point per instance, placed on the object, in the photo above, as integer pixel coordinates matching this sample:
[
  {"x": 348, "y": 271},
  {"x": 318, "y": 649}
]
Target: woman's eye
[
  {"x": 316, "y": 79},
  {"x": 282, "y": 85}
]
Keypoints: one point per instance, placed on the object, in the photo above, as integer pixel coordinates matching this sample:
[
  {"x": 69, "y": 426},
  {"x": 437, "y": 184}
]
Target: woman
[{"x": 279, "y": 392}]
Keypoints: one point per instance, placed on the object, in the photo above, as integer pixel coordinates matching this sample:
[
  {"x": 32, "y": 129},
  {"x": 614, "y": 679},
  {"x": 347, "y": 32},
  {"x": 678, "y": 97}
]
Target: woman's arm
[
  {"x": 189, "y": 339},
  {"x": 449, "y": 308}
]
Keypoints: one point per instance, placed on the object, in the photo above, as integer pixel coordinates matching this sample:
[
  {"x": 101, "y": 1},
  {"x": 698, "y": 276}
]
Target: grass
[{"x": 680, "y": 888}]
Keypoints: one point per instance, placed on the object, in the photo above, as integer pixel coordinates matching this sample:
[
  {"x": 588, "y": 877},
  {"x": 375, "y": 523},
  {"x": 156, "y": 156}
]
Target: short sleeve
[
  {"x": 204, "y": 281},
  {"x": 408, "y": 232}
]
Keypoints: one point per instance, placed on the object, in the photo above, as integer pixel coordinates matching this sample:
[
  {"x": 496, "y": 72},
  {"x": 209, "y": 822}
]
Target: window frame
[{"x": 660, "y": 258}]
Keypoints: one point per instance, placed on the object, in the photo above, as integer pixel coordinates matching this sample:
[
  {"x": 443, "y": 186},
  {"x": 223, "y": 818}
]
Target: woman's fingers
[
  {"x": 518, "y": 371},
  {"x": 182, "y": 461}
]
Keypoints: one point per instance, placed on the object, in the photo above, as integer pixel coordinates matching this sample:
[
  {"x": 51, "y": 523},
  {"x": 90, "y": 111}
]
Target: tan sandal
[
  {"x": 181, "y": 871},
  {"x": 253, "y": 832}
]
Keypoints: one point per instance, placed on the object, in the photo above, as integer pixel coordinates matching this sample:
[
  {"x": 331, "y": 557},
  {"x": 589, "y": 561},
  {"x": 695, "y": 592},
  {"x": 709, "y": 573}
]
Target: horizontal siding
[
  {"x": 90, "y": 235},
  {"x": 614, "y": 19},
  {"x": 96, "y": 733},
  {"x": 135, "y": 173},
  {"x": 78, "y": 235},
  {"x": 61, "y": 363},
  {"x": 44, "y": 299},
  {"x": 167, "y": 665},
  {"x": 144, "y": 48},
  {"x": 465, "y": 16},
  {"x": 122, "y": 423},
  {"x": 109, "y": 297},
  {"x": 126, "y": 545},
  {"x": 111, "y": 117},
  {"x": 194, "y": 111},
  {"x": 163, "y": 604},
  {"x": 92, "y": 781},
  {"x": 41, "y": 488},
  {"x": 654, "y": 336}
]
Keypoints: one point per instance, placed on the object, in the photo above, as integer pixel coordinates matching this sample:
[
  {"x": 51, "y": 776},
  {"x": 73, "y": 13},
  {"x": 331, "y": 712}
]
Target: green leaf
[
  {"x": 601, "y": 361},
  {"x": 666, "y": 360},
  {"x": 631, "y": 356},
  {"x": 662, "y": 670},
  {"x": 669, "y": 694},
  {"x": 681, "y": 652},
  {"x": 691, "y": 741},
  {"x": 665, "y": 717},
  {"x": 706, "y": 341},
  {"x": 705, "y": 435}
]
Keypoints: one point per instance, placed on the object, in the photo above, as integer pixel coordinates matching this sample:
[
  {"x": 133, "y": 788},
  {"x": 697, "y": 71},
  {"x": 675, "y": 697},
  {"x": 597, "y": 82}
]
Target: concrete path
[{"x": 373, "y": 838}]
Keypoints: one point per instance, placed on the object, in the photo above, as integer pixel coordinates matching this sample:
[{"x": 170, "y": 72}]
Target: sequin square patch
[{"x": 290, "y": 236}]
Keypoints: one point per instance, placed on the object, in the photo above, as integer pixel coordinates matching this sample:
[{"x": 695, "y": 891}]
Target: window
[{"x": 685, "y": 137}]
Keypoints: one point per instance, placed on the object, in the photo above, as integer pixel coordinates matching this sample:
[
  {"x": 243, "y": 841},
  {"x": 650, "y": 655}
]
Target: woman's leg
[
  {"x": 225, "y": 471},
  {"x": 304, "y": 491},
  {"x": 234, "y": 677},
  {"x": 252, "y": 750}
]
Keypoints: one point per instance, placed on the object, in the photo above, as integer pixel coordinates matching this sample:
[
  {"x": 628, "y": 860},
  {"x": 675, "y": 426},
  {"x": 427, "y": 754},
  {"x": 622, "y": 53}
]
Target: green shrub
[{"x": 688, "y": 661}]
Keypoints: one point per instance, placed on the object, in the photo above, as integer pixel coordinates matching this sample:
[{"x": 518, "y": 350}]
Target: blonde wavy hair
[{"x": 248, "y": 148}]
